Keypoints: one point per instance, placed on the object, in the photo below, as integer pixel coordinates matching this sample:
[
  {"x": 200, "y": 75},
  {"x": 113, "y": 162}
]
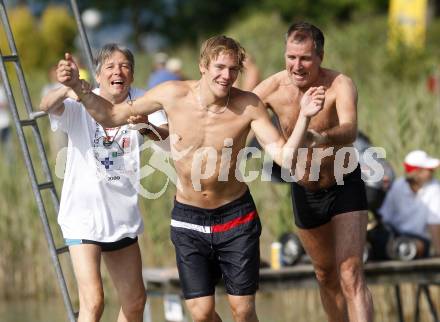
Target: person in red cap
[{"x": 412, "y": 206}]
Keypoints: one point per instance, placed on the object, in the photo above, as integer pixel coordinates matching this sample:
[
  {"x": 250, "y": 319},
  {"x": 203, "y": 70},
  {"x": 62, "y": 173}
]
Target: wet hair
[
  {"x": 217, "y": 45},
  {"x": 301, "y": 31},
  {"x": 107, "y": 50}
]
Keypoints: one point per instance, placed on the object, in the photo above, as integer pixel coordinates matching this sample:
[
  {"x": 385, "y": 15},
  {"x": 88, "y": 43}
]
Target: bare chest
[
  {"x": 287, "y": 112},
  {"x": 194, "y": 128}
]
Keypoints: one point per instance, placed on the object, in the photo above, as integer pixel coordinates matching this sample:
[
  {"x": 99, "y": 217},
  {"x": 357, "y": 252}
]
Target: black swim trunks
[
  {"x": 217, "y": 243},
  {"x": 316, "y": 208},
  {"x": 105, "y": 246}
]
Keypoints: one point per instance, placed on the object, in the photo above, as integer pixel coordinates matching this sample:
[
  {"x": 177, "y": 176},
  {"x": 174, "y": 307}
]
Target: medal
[
  {"x": 107, "y": 143},
  {"x": 108, "y": 140}
]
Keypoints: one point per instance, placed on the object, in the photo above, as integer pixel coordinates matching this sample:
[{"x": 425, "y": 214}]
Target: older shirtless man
[
  {"x": 214, "y": 227},
  {"x": 328, "y": 198}
]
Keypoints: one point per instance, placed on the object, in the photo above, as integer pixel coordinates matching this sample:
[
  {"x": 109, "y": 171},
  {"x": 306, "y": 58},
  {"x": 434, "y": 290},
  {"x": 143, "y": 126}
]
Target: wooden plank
[{"x": 302, "y": 275}]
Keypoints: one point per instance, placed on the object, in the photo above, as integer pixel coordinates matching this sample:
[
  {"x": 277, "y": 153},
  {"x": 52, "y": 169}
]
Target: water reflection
[{"x": 302, "y": 305}]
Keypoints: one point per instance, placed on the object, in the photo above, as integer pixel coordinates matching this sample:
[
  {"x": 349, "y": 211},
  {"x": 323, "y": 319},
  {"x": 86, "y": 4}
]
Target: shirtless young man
[
  {"x": 215, "y": 227},
  {"x": 331, "y": 217}
]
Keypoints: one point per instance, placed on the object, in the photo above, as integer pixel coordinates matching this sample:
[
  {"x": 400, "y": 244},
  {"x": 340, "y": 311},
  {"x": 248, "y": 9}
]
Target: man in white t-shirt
[
  {"x": 99, "y": 212},
  {"x": 412, "y": 205}
]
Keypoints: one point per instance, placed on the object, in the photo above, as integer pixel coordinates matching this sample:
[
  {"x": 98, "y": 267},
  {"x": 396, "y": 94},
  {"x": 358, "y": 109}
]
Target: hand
[
  {"x": 314, "y": 139},
  {"x": 140, "y": 119},
  {"x": 136, "y": 119},
  {"x": 312, "y": 101},
  {"x": 67, "y": 71}
]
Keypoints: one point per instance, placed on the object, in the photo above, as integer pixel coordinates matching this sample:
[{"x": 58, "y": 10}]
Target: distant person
[
  {"x": 174, "y": 65},
  {"x": 328, "y": 197},
  {"x": 250, "y": 77},
  {"x": 215, "y": 227},
  {"x": 412, "y": 205},
  {"x": 160, "y": 73},
  {"x": 99, "y": 214},
  {"x": 58, "y": 138},
  {"x": 5, "y": 126}
]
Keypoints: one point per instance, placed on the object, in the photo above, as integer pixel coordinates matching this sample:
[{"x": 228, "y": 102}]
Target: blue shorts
[{"x": 105, "y": 247}]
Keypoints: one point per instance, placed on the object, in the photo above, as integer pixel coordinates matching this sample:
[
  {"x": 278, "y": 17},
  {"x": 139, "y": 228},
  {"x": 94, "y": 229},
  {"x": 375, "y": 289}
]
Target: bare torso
[
  {"x": 283, "y": 98},
  {"x": 201, "y": 137}
]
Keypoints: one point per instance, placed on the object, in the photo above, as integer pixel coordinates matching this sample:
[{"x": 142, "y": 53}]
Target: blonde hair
[{"x": 214, "y": 46}]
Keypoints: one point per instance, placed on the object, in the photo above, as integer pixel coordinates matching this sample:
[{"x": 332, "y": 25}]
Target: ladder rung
[
  {"x": 46, "y": 185},
  {"x": 35, "y": 115},
  {"x": 63, "y": 249},
  {"x": 10, "y": 58},
  {"x": 27, "y": 122}
]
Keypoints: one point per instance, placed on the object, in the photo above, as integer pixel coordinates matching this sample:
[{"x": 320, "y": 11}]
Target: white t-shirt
[
  {"x": 99, "y": 198},
  {"x": 411, "y": 212}
]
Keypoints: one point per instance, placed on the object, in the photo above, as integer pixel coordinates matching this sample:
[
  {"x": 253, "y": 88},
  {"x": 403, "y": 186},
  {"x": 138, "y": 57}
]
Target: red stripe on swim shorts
[{"x": 235, "y": 222}]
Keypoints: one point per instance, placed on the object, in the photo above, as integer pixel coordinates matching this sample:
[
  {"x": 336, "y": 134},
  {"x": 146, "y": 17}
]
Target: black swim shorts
[
  {"x": 316, "y": 208},
  {"x": 105, "y": 246},
  {"x": 217, "y": 243}
]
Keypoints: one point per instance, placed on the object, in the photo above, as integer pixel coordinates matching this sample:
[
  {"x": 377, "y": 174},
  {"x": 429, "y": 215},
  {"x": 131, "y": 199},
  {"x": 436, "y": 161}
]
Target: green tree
[
  {"x": 324, "y": 10},
  {"x": 58, "y": 30},
  {"x": 27, "y": 38}
]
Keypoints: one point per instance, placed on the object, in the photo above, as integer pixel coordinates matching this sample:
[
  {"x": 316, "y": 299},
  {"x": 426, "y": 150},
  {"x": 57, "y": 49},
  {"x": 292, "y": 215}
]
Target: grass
[{"x": 395, "y": 110}]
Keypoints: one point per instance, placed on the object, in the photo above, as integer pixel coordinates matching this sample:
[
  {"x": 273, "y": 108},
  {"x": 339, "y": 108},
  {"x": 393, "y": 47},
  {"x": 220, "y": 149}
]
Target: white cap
[
  {"x": 174, "y": 64},
  {"x": 420, "y": 159}
]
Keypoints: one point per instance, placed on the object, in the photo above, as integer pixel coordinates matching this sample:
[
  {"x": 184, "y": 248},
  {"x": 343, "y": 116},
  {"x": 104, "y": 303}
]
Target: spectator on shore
[
  {"x": 160, "y": 73},
  {"x": 174, "y": 65},
  {"x": 58, "y": 138},
  {"x": 250, "y": 77},
  {"x": 412, "y": 205}
]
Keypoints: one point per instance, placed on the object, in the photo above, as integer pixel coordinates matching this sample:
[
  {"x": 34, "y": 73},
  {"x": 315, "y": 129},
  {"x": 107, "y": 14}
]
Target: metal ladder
[{"x": 31, "y": 122}]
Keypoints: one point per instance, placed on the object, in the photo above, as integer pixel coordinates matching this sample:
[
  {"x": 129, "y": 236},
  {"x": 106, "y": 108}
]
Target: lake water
[
  {"x": 301, "y": 305},
  {"x": 271, "y": 307}
]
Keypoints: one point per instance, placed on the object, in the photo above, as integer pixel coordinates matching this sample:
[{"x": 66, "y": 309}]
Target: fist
[
  {"x": 136, "y": 119},
  {"x": 67, "y": 71}
]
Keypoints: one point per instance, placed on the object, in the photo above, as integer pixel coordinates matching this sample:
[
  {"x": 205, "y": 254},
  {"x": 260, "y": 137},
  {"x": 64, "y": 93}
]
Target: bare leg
[
  {"x": 202, "y": 309},
  {"x": 243, "y": 308},
  {"x": 125, "y": 268},
  {"x": 320, "y": 245},
  {"x": 350, "y": 233},
  {"x": 86, "y": 260}
]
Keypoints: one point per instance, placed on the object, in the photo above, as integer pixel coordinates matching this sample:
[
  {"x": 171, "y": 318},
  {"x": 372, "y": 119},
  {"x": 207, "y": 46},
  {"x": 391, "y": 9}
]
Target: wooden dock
[{"x": 422, "y": 272}]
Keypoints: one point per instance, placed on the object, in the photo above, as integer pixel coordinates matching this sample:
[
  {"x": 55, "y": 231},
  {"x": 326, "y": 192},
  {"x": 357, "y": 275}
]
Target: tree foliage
[
  {"x": 189, "y": 20},
  {"x": 40, "y": 43},
  {"x": 27, "y": 37},
  {"x": 324, "y": 10},
  {"x": 58, "y": 30}
]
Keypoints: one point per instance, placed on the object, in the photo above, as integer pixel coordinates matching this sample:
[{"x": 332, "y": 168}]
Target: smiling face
[
  {"x": 115, "y": 77},
  {"x": 302, "y": 61},
  {"x": 221, "y": 73}
]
